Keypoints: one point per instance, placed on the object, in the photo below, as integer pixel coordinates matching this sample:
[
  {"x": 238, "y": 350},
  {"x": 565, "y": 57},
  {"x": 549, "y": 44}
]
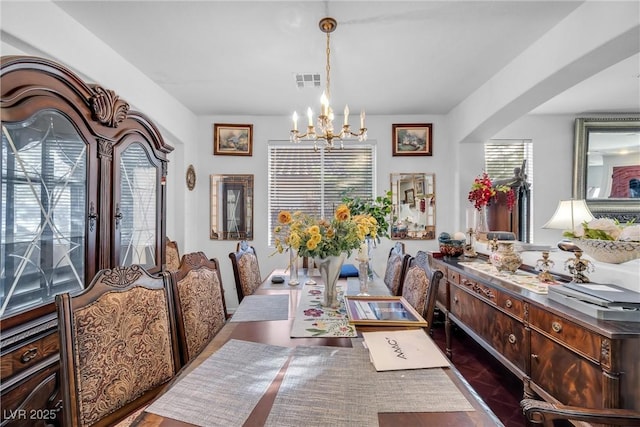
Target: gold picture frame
[
  {"x": 232, "y": 139},
  {"x": 382, "y": 311}
]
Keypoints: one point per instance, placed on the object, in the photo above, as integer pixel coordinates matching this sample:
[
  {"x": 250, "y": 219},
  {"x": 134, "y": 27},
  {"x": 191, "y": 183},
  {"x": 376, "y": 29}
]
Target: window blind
[
  {"x": 503, "y": 156},
  {"x": 301, "y": 179}
]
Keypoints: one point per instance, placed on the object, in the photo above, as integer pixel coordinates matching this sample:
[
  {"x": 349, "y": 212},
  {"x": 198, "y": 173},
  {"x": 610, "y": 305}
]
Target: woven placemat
[
  {"x": 225, "y": 388},
  {"x": 323, "y": 387},
  {"x": 255, "y": 308},
  {"x": 376, "y": 286},
  {"x": 340, "y": 387}
]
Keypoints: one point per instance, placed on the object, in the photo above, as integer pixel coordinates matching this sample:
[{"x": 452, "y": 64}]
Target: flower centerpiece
[
  {"x": 483, "y": 192},
  {"x": 327, "y": 241},
  {"x": 607, "y": 240}
]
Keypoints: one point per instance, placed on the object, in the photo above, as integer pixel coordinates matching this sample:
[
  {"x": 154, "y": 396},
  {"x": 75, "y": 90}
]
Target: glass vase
[
  {"x": 330, "y": 272},
  {"x": 293, "y": 268},
  {"x": 482, "y": 224}
]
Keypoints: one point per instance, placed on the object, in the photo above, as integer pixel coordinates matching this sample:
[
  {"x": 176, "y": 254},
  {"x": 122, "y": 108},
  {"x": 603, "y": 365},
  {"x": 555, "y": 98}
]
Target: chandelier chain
[{"x": 328, "y": 67}]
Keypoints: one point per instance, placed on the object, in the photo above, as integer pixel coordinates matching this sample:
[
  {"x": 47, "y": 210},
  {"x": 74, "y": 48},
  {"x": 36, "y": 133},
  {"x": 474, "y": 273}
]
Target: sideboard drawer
[
  {"x": 501, "y": 332},
  {"x": 485, "y": 292},
  {"x": 453, "y": 276},
  {"x": 511, "y": 305},
  {"x": 28, "y": 355},
  {"x": 581, "y": 340}
]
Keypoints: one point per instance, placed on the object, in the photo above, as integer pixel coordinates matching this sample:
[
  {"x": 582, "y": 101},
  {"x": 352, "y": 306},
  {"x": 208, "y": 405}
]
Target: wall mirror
[
  {"x": 607, "y": 166},
  {"x": 414, "y": 206},
  {"x": 231, "y": 207}
]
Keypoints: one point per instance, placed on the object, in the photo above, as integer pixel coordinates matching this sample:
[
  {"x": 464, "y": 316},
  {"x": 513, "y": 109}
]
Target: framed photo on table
[
  {"x": 381, "y": 311},
  {"x": 414, "y": 139},
  {"x": 232, "y": 140}
]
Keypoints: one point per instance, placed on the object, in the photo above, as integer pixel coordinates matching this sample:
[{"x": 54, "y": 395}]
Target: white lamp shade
[{"x": 569, "y": 213}]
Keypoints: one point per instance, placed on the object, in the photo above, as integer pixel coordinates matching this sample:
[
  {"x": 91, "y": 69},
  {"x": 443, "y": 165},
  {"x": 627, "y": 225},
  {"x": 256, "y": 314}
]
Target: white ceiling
[{"x": 420, "y": 57}]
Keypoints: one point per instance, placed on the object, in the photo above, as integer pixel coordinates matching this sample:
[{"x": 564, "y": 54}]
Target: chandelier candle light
[{"x": 323, "y": 137}]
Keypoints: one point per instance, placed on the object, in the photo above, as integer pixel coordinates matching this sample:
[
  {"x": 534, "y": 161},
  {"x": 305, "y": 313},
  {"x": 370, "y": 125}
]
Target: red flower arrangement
[{"x": 483, "y": 191}]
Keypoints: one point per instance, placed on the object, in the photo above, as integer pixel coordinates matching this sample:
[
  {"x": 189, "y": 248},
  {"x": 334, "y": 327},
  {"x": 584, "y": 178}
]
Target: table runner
[
  {"x": 314, "y": 320},
  {"x": 520, "y": 278},
  {"x": 225, "y": 388},
  {"x": 262, "y": 307},
  {"x": 340, "y": 387}
]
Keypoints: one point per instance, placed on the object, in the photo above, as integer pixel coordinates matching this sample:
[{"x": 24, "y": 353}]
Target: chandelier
[{"x": 323, "y": 134}]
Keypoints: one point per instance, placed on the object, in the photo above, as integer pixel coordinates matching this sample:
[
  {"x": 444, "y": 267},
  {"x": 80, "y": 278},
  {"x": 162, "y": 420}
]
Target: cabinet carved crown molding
[{"x": 107, "y": 107}]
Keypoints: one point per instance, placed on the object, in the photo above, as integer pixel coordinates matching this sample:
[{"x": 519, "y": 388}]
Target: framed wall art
[
  {"x": 232, "y": 140},
  {"x": 412, "y": 139}
]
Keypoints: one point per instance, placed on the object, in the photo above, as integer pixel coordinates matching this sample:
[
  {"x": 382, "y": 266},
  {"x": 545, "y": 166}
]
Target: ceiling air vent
[{"x": 307, "y": 80}]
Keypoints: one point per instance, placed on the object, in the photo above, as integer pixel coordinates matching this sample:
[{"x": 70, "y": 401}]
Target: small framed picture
[
  {"x": 382, "y": 311},
  {"x": 232, "y": 140},
  {"x": 412, "y": 139}
]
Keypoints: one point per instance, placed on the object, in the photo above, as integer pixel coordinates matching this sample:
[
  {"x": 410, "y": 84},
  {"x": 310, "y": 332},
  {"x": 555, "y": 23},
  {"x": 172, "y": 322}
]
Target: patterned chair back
[
  {"x": 172, "y": 255},
  {"x": 246, "y": 270},
  {"x": 118, "y": 345},
  {"x": 420, "y": 286},
  {"x": 200, "y": 306},
  {"x": 397, "y": 264}
]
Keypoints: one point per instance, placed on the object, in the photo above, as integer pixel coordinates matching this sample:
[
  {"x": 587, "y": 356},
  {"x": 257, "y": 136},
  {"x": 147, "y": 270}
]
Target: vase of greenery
[{"x": 380, "y": 209}]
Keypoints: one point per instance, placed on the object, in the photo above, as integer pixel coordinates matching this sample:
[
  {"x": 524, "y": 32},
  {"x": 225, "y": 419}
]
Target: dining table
[{"x": 257, "y": 371}]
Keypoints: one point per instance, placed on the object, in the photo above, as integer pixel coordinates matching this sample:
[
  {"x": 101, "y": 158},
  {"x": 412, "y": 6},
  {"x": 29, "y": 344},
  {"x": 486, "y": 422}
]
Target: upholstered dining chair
[
  {"x": 200, "y": 306},
  {"x": 420, "y": 286},
  {"x": 172, "y": 254},
  {"x": 396, "y": 268},
  {"x": 541, "y": 413},
  {"x": 246, "y": 270},
  {"x": 118, "y": 345}
]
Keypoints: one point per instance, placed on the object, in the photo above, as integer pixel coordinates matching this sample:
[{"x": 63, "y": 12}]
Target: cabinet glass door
[
  {"x": 136, "y": 210},
  {"x": 42, "y": 216}
]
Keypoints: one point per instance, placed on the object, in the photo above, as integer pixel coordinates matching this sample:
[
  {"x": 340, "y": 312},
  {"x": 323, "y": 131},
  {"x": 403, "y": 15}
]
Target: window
[
  {"x": 502, "y": 157},
  {"x": 301, "y": 179}
]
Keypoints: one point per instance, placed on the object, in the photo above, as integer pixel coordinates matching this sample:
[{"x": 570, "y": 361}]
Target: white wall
[{"x": 277, "y": 128}]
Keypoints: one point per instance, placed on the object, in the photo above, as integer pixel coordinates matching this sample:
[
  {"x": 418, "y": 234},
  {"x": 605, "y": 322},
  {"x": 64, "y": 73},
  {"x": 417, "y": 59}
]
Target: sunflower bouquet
[{"x": 313, "y": 237}]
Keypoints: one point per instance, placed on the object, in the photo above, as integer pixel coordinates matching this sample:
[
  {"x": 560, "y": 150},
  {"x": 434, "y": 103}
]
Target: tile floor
[{"x": 498, "y": 387}]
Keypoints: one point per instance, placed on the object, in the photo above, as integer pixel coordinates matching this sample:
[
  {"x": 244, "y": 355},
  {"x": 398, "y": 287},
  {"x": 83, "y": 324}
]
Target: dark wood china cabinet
[{"x": 82, "y": 190}]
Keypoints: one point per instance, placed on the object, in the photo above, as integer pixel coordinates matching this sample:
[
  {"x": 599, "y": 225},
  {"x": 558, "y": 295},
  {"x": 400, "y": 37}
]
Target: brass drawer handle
[
  {"x": 512, "y": 338},
  {"x": 508, "y": 303},
  {"x": 556, "y": 326},
  {"x": 534, "y": 356},
  {"x": 29, "y": 355}
]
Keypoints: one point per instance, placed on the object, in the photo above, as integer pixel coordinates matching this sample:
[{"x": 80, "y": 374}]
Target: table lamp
[{"x": 568, "y": 214}]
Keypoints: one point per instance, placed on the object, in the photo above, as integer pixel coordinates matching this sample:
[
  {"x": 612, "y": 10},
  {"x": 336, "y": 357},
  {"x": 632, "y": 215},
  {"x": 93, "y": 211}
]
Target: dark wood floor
[{"x": 498, "y": 387}]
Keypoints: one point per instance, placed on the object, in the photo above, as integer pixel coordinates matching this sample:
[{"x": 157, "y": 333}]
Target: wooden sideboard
[{"x": 561, "y": 355}]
